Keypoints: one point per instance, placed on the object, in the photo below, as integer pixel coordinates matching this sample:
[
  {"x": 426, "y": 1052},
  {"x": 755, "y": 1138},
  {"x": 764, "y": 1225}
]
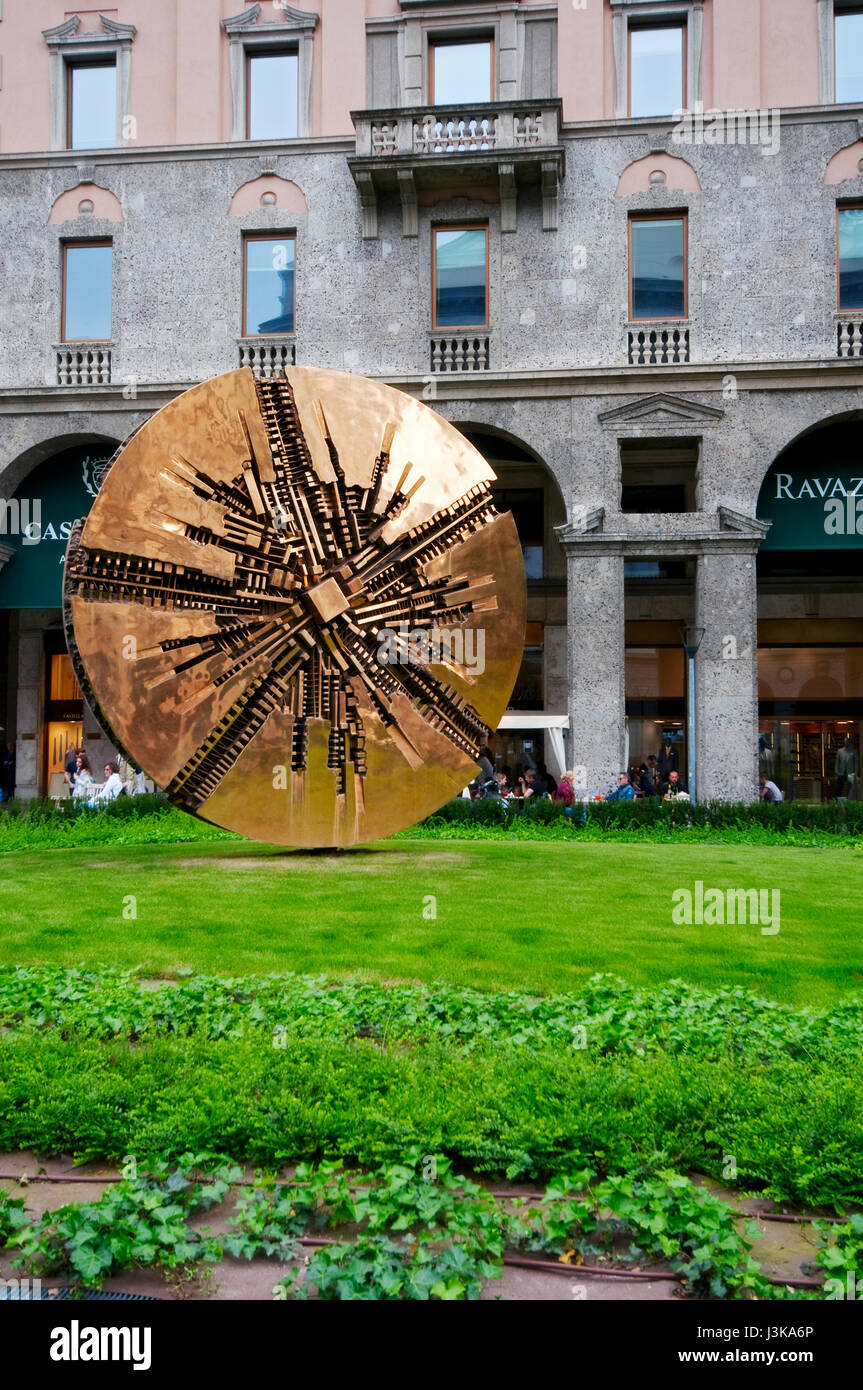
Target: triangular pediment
[{"x": 661, "y": 407}]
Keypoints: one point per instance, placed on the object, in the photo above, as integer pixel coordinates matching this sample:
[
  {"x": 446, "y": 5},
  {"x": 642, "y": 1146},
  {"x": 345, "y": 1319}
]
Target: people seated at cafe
[
  {"x": 624, "y": 791},
  {"x": 83, "y": 784},
  {"x": 769, "y": 790},
  {"x": 530, "y": 786},
  {"x": 673, "y": 784},
  {"x": 112, "y": 786},
  {"x": 565, "y": 790},
  {"x": 648, "y": 774}
]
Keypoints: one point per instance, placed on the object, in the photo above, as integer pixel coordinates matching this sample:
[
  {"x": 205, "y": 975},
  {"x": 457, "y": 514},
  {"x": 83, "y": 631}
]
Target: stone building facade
[{"x": 644, "y": 455}]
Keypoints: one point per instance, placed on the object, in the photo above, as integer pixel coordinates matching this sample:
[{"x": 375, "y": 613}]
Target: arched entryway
[
  {"x": 810, "y": 614},
  {"x": 42, "y": 709},
  {"x": 534, "y": 729}
]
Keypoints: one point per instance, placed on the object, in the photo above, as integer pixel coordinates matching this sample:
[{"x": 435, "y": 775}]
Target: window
[
  {"x": 657, "y": 267},
  {"x": 268, "y": 285},
  {"x": 850, "y": 248},
  {"x": 460, "y": 277},
  {"x": 461, "y": 71},
  {"x": 86, "y": 292},
  {"x": 848, "y": 44},
  {"x": 91, "y": 96},
  {"x": 528, "y": 512},
  {"x": 271, "y": 95},
  {"x": 658, "y": 476},
  {"x": 657, "y": 80}
]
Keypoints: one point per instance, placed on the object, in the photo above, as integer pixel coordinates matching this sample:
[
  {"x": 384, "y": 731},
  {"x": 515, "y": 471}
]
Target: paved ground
[{"x": 786, "y": 1249}]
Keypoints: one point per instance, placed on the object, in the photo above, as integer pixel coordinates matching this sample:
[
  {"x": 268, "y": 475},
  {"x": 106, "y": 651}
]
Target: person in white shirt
[
  {"x": 769, "y": 790},
  {"x": 83, "y": 784},
  {"x": 112, "y": 786}
]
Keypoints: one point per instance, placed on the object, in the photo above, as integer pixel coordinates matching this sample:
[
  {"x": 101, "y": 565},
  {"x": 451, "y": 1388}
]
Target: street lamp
[{"x": 691, "y": 637}]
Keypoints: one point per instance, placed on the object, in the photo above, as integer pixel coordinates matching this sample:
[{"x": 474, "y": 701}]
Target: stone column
[
  {"x": 30, "y": 703},
  {"x": 726, "y": 674},
  {"x": 595, "y": 641}
]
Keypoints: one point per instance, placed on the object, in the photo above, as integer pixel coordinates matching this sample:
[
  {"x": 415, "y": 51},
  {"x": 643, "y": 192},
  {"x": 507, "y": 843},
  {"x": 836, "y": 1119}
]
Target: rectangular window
[
  {"x": 268, "y": 285},
  {"x": 460, "y": 277},
  {"x": 657, "y": 267},
  {"x": 461, "y": 71},
  {"x": 86, "y": 292},
  {"x": 91, "y": 106},
  {"x": 848, "y": 44},
  {"x": 271, "y": 96},
  {"x": 657, "y": 70},
  {"x": 850, "y": 247},
  {"x": 528, "y": 512}
]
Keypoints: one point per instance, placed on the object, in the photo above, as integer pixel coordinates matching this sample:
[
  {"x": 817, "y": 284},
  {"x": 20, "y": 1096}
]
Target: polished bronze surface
[{"x": 294, "y": 605}]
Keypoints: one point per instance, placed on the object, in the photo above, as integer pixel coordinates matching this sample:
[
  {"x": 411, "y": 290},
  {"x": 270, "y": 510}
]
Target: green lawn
[{"x": 533, "y": 916}]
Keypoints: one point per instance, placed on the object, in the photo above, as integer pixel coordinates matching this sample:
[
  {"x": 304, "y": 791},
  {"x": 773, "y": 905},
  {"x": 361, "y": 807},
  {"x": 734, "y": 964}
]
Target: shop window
[
  {"x": 848, "y": 48},
  {"x": 812, "y": 674},
  {"x": 658, "y": 478},
  {"x": 86, "y": 294},
  {"x": 461, "y": 71},
  {"x": 657, "y": 267},
  {"x": 657, "y": 71},
  {"x": 268, "y": 285},
  {"x": 64, "y": 721},
  {"x": 850, "y": 254},
  {"x": 460, "y": 277},
  {"x": 91, "y": 95},
  {"x": 272, "y": 95},
  {"x": 654, "y": 673}
]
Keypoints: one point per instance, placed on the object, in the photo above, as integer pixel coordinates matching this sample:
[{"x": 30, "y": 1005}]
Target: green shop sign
[
  {"x": 36, "y": 522},
  {"x": 813, "y": 510}
]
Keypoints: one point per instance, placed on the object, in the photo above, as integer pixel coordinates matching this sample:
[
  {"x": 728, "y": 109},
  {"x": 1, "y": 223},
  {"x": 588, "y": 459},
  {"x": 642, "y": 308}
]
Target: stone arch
[
  {"x": 33, "y": 457},
  {"x": 86, "y": 199},
  {"x": 278, "y": 192},
  {"x": 639, "y": 176}
]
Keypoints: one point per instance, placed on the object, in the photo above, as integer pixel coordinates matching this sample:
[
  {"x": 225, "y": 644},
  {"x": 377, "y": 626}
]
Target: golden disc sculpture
[{"x": 294, "y": 605}]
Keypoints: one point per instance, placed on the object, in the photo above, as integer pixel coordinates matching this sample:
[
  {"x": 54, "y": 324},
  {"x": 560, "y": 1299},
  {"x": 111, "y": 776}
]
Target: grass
[{"x": 533, "y": 916}]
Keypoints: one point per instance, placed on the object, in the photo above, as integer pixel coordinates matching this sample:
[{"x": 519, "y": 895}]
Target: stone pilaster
[
  {"x": 726, "y": 675},
  {"x": 595, "y": 640}
]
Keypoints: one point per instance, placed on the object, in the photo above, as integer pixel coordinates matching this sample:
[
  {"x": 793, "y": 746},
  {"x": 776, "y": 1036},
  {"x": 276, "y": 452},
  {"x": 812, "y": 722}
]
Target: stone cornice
[
  {"x": 556, "y": 385},
  {"x": 177, "y": 154}
]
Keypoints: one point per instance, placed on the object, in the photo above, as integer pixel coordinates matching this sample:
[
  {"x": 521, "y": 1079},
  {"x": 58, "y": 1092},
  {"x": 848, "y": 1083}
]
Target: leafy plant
[{"x": 138, "y": 1221}]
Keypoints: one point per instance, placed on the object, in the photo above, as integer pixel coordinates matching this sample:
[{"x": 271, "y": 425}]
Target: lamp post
[{"x": 691, "y": 637}]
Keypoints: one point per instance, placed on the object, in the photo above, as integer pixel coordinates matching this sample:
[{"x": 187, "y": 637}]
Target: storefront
[
  {"x": 810, "y": 644},
  {"x": 43, "y": 709}
]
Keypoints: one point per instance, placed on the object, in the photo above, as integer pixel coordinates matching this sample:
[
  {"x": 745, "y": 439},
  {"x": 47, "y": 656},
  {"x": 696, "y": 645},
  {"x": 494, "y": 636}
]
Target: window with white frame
[
  {"x": 657, "y": 56},
  {"x": 848, "y": 53},
  {"x": 89, "y": 84},
  {"x": 270, "y": 62}
]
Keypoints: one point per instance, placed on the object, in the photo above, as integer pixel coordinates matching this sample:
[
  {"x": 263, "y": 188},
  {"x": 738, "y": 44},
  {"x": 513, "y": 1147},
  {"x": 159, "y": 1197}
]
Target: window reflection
[
  {"x": 272, "y": 99},
  {"x": 657, "y": 268},
  {"x": 460, "y": 277},
  {"x": 656, "y": 70},
  {"x": 269, "y": 285},
  {"x": 850, "y": 258},
  {"x": 461, "y": 72},
  {"x": 87, "y": 292},
  {"x": 849, "y": 56},
  {"x": 92, "y": 106}
]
